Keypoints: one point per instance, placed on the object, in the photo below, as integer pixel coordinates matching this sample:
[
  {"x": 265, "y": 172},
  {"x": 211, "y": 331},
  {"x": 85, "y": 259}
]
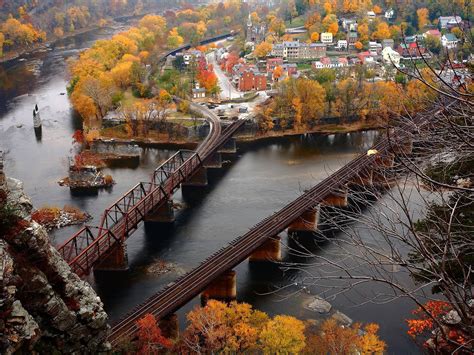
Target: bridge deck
[
  {"x": 191, "y": 284},
  {"x": 92, "y": 244}
]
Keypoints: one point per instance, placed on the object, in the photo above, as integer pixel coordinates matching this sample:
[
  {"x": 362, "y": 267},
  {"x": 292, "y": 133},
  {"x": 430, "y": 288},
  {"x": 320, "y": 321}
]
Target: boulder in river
[{"x": 317, "y": 304}]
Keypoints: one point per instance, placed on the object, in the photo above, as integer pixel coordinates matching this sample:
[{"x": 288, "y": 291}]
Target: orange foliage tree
[
  {"x": 426, "y": 317},
  {"x": 262, "y": 49}
]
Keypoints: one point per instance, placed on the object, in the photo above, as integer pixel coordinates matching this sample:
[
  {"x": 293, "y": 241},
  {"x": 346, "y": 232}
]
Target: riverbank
[{"x": 149, "y": 142}]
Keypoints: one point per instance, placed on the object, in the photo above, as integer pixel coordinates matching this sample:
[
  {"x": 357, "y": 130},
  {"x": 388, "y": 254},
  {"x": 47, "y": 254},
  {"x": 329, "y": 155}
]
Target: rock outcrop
[{"x": 44, "y": 306}]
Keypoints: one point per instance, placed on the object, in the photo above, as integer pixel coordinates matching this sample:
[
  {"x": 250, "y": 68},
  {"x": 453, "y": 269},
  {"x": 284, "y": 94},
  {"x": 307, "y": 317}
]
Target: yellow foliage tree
[
  {"x": 363, "y": 30},
  {"x": 283, "y": 334},
  {"x": 262, "y": 49},
  {"x": 377, "y": 9},
  {"x": 314, "y": 37},
  {"x": 382, "y": 32},
  {"x": 423, "y": 17}
]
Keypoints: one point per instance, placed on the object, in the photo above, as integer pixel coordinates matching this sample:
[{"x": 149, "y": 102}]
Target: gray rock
[
  {"x": 317, "y": 304},
  {"x": 452, "y": 318},
  {"x": 342, "y": 318}
]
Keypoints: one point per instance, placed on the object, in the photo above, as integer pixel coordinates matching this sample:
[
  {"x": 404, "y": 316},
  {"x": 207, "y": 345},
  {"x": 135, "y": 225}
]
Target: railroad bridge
[
  {"x": 215, "y": 278},
  {"x": 103, "y": 247}
]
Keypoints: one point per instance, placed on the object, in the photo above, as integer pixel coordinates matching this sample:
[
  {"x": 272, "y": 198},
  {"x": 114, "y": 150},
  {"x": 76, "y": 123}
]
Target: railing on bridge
[{"x": 83, "y": 250}]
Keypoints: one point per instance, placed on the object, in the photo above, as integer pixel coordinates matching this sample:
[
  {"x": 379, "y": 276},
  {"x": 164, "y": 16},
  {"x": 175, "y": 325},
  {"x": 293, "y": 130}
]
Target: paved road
[{"x": 228, "y": 90}]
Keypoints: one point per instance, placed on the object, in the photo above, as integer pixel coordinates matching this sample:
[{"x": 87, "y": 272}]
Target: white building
[
  {"x": 391, "y": 56},
  {"x": 449, "y": 41},
  {"x": 449, "y": 21},
  {"x": 390, "y": 14},
  {"x": 371, "y": 15},
  {"x": 342, "y": 44},
  {"x": 326, "y": 37}
]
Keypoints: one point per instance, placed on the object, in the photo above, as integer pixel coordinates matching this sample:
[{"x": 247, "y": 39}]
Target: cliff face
[{"x": 43, "y": 305}]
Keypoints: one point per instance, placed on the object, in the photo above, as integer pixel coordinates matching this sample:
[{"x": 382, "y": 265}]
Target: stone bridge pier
[
  {"x": 306, "y": 223},
  {"x": 223, "y": 288},
  {"x": 270, "y": 250},
  {"x": 195, "y": 182},
  {"x": 115, "y": 260},
  {"x": 229, "y": 147},
  {"x": 163, "y": 214}
]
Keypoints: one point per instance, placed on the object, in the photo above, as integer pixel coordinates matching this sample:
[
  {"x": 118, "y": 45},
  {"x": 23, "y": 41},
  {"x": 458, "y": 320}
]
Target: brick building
[{"x": 250, "y": 79}]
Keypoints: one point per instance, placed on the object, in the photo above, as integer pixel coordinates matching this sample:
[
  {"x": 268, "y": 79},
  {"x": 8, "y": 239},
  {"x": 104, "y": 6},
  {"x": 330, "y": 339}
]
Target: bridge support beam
[
  {"x": 224, "y": 288},
  {"x": 214, "y": 161},
  {"x": 169, "y": 326},
  {"x": 336, "y": 198},
  {"x": 163, "y": 214},
  {"x": 115, "y": 260},
  {"x": 270, "y": 250},
  {"x": 307, "y": 222},
  {"x": 229, "y": 147}
]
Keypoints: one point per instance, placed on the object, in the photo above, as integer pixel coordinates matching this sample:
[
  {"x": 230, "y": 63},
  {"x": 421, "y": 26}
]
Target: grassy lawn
[
  {"x": 128, "y": 98},
  {"x": 185, "y": 122},
  {"x": 303, "y": 66},
  {"x": 296, "y": 22}
]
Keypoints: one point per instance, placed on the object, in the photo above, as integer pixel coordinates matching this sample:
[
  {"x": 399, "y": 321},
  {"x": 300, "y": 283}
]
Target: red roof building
[{"x": 250, "y": 79}]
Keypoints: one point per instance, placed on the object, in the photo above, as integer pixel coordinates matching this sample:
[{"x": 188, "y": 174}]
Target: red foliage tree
[{"x": 150, "y": 339}]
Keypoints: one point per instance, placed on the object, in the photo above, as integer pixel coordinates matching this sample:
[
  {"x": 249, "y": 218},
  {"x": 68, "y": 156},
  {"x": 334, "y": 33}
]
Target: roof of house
[
  {"x": 433, "y": 33},
  {"x": 450, "y": 37}
]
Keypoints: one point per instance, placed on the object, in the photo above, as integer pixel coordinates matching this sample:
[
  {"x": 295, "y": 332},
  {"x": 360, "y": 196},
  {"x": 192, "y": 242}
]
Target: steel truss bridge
[{"x": 91, "y": 245}]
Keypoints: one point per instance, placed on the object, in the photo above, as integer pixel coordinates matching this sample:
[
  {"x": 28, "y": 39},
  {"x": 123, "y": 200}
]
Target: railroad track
[{"x": 188, "y": 286}]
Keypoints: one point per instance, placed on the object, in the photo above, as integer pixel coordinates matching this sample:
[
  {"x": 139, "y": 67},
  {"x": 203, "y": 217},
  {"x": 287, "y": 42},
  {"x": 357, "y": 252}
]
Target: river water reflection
[{"x": 262, "y": 178}]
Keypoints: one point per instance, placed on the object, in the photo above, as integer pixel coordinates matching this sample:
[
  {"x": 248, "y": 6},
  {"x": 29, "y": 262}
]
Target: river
[{"x": 262, "y": 178}]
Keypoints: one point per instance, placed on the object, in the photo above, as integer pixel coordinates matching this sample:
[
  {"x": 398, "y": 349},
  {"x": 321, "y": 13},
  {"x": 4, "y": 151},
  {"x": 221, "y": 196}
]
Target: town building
[
  {"x": 349, "y": 24},
  {"x": 388, "y": 43},
  {"x": 290, "y": 69},
  {"x": 448, "y": 22},
  {"x": 449, "y": 41},
  {"x": 391, "y": 56},
  {"x": 435, "y": 33},
  {"x": 342, "y": 44},
  {"x": 389, "y": 14},
  {"x": 371, "y": 15},
  {"x": 412, "y": 50},
  {"x": 352, "y": 37},
  {"x": 255, "y": 33},
  {"x": 272, "y": 63},
  {"x": 251, "y": 79},
  {"x": 198, "y": 92},
  {"x": 326, "y": 37},
  {"x": 330, "y": 63},
  {"x": 375, "y": 48},
  {"x": 296, "y": 50}
]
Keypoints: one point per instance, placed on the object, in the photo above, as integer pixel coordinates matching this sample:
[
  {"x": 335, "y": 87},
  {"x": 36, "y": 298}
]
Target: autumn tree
[
  {"x": 150, "y": 339},
  {"x": 423, "y": 17},
  {"x": 333, "y": 338},
  {"x": 2, "y": 41},
  {"x": 262, "y": 49},
  {"x": 283, "y": 334},
  {"x": 277, "y": 72},
  {"x": 174, "y": 39},
  {"x": 363, "y": 30},
  {"x": 358, "y": 45},
  {"x": 382, "y": 31},
  {"x": 314, "y": 37}
]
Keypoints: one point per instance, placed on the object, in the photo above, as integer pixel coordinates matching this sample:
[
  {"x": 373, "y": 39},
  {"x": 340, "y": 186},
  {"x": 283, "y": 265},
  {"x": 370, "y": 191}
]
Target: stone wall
[{"x": 45, "y": 307}]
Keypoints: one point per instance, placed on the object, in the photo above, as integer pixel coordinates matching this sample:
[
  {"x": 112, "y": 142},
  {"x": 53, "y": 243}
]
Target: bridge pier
[
  {"x": 336, "y": 198},
  {"x": 214, "y": 161},
  {"x": 223, "y": 288},
  {"x": 270, "y": 250},
  {"x": 229, "y": 147},
  {"x": 163, "y": 214},
  {"x": 115, "y": 260},
  {"x": 169, "y": 326},
  {"x": 307, "y": 222}
]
